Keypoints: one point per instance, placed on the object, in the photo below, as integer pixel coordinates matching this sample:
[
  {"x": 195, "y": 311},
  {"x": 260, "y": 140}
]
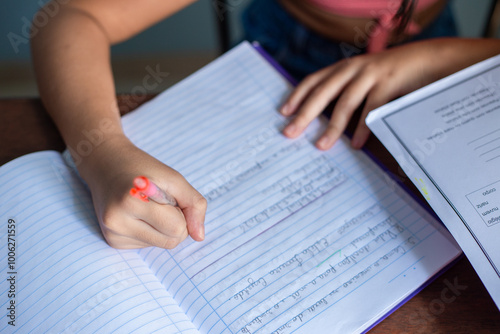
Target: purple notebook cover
[{"x": 294, "y": 82}]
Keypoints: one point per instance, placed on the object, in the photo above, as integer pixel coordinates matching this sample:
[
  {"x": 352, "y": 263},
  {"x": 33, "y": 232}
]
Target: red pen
[{"x": 146, "y": 190}]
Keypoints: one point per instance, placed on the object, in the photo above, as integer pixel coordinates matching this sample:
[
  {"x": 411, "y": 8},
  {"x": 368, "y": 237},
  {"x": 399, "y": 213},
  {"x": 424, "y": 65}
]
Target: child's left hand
[{"x": 378, "y": 78}]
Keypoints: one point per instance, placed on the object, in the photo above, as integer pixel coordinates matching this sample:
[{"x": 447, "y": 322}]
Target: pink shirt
[{"x": 382, "y": 10}]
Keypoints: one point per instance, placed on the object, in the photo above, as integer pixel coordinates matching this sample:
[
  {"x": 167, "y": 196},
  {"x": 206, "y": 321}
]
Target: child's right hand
[{"x": 126, "y": 221}]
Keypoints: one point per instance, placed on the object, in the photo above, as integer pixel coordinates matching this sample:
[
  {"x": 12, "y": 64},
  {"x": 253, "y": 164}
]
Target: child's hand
[
  {"x": 378, "y": 78},
  {"x": 128, "y": 222}
]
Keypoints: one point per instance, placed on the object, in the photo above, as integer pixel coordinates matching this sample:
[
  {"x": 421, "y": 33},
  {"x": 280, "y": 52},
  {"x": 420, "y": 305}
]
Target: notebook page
[
  {"x": 296, "y": 239},
  {"x": 61, "y": 274}
]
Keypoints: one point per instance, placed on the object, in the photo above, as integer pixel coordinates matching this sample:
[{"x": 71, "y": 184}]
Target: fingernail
[
  {"x": 285, "y": 109},
  {"x": 202, "y": 232},
  {"x": 290, "y": 129},
  {"x": 323, "y": 142}
]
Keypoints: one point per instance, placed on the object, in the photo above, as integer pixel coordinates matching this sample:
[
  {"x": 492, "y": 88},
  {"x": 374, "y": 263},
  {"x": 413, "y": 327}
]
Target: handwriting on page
[
  {"x": 250, "y": 172},
  {"x": 290, "y": 231},
  {"x": 310, "y": 272},
  {"x": 290, "y": 303},
  {"x": 285, "y": 197},
  {"x": 339, "y": 291}
]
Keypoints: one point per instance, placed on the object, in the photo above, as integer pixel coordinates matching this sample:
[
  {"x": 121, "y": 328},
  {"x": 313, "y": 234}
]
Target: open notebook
[{"x": 297, "y": 240}]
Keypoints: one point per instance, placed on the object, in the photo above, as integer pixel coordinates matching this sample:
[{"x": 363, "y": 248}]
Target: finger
[
  {"x": 123, "y": 242},
  {"x": 195, "y": 217},
  {"x": 361, "y": 134},
  {"x": 376, "y": 98},
  {"x": 192, "y": 204},
  {"x": 167, "y": 219},
  {"x": 302, "y": 90},
  {"x": 350, "y": 99},
  {"x": 141, "y": 232},
  {"x": 318, "y": 99}
]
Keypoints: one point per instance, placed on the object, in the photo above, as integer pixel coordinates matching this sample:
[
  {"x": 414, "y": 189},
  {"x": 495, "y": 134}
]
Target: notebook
[{"x": 297, "y": 240}]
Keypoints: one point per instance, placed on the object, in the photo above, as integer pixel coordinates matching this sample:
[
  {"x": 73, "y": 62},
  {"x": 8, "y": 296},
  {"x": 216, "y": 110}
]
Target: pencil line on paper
[
  {"x": 498, "y": 156},
  {"x": 486, "y": 135},
  {"x": 496, "y": 148},
  {"x": 272, "y": 226},
  {"x": 491, "y": 141}
]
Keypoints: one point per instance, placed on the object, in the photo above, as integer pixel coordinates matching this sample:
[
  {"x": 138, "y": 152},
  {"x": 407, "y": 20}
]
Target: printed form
[{"x": 446, "y": 137}]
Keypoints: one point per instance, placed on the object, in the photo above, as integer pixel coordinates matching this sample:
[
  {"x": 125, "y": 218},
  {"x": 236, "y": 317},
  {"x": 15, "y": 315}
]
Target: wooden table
[{"x": 456, "y": 302}]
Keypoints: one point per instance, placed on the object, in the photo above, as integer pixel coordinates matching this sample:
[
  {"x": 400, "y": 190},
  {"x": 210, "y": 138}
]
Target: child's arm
[
  {"x": 71, "y": 59},
  {"x": 378, "y": 78}
]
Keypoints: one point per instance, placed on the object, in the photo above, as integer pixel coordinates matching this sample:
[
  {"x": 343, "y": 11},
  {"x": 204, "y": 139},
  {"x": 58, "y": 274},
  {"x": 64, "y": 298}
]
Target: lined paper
[
  {"x": 66, "y": 278},
  {"x": 296, "y": 239}
]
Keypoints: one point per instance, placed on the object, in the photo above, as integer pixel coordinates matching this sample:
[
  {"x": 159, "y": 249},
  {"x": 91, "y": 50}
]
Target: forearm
[
  {"x": 454, "y": 54},
  {"x": 71, "y": 60}
]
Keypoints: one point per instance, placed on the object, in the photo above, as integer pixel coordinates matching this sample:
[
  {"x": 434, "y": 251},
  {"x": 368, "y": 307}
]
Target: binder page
[
  {"x": 59, "y": 275},
  {"x": 296, "y": 239},
  {"x": 447, "y": 138}
]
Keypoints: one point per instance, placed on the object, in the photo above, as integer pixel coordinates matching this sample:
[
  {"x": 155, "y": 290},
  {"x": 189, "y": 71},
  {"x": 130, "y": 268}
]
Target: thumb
[
  {"x": 193, "y": 206},
  {"x": 195, "y": 216}
]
